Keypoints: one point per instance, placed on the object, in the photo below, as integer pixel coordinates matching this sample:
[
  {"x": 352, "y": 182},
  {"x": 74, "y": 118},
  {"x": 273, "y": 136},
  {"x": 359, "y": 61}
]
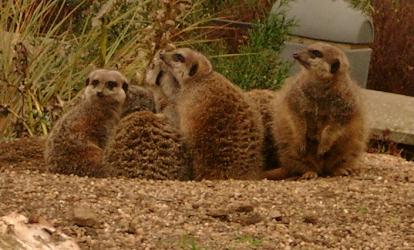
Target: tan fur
[
  {"x": 146, "y": 146},
  {"x": 138, "y": 99},
  {"x": 77, "y": 140},
  {"x": 165, "y": 88},
  {"x": 223, "y": 132},
  {"x": 263, "y": 100},
  {"x": 320, "y": 124}
]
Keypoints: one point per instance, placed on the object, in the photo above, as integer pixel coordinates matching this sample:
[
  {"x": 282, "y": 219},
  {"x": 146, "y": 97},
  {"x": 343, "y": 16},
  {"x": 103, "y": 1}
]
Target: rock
[
  {"x": 276, "y": 215},
  {"x": 20, "y": 233},
  {"x": 390, "y": 116},
  {"x": 85, "y": 217},
  {"x": 244, "y": 208},
  {"x": 310, "y": 219},
  {"x": 249, "y": 219},
  {"x": 220, "y": 214}
]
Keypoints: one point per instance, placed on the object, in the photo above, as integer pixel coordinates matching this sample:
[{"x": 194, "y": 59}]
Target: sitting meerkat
[
  {"x": 221, "y": 129},
  {"x": 320, "y": 124},
  {"x": 77, "y": 140},
  {"x": 146, "y": 145},
  {"x": 263, "y": 100}
]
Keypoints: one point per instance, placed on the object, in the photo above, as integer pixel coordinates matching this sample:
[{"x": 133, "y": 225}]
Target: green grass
[
  {"x": 189, "y": 242},
  {"x": 252, "y": 241}
]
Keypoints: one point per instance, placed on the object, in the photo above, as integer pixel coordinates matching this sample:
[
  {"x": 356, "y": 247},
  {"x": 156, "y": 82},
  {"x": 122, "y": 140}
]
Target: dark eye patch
[
  {"x": 178, "y": 58},
  {"x": 95, "y": 82},
  {"x": 125, "y": 86},
  {"x": 193, "y": 69},
  {"x": 111, "y": 84},
  {"x": 335, "y": 66},
  {"x": 316, "y": 53},
  {"x": 159, "y": 76}
]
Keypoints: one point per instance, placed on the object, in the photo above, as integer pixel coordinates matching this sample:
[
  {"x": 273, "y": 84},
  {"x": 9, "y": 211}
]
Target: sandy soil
[{"x": 372, "y": 210}]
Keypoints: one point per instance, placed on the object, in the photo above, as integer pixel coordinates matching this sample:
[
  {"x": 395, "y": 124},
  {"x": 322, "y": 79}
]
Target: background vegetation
[{"x": 48, "y": 47}]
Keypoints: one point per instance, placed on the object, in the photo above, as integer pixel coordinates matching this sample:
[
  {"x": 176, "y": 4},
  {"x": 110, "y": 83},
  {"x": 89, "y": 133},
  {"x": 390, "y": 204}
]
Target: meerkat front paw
[
  {"x": 309, "y": 175},
  {"x": 344, "y": 171},
  {"x": 323, "y": 148}
]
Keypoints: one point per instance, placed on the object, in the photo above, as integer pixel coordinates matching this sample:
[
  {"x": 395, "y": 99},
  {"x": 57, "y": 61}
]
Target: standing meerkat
[
  {"x": 146, "y": 145},
  {"x": 221, "y": 129},
  {"x": 263, "y": 100},
  {"x": 76, "y": 142},
  {"x": 320, "y": 124}
]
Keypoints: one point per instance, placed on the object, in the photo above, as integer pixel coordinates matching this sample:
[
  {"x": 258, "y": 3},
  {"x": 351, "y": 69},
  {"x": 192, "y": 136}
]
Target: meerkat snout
[
  {"x": 107, "y": 84},
  {"x": 322, "y": 61}
]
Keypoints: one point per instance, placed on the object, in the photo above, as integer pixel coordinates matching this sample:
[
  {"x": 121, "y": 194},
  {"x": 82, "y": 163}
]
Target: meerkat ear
[
  {"x": 125, "y": 86},
  {"x": 193, "y": 69},
  {"x": 335, "y": 66},
  {"x": 87, "y": 81}
]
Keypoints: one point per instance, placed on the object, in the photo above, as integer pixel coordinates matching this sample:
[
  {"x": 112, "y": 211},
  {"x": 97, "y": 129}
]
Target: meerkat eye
[
  {"x": 316, "y": 53},
  {"x": 111, "y": 84},
  {"x": 178, "y": 58},
  {"x": 95, "y": 82}
]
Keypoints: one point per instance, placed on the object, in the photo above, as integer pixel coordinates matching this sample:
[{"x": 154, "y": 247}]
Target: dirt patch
[
  {"x": 372, "y": 210},
  {"x": 23, "y": 154}
]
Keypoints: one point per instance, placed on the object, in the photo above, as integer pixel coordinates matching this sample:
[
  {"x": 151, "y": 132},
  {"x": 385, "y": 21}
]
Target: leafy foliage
[
  {"x": 257, "y": 63},
  {"x": 48, "y": 47}
]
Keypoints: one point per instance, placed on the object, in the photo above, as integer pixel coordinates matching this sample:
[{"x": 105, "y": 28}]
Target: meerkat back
[
  {"x": 146, "y": 146},
  {"x": 263, "y": 101}
]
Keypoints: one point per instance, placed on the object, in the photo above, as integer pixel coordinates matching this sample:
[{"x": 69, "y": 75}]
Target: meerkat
[
  {"x": 220, "y": 127},
  {"x": 138, "y": 99},
  {"x": 146, "y": 146},
  {"x": 77, "y": 140},
  {"x": 263, "y": 100},
  {"x": 320, "y": 125},
  {"x": 165, "y": 88}
]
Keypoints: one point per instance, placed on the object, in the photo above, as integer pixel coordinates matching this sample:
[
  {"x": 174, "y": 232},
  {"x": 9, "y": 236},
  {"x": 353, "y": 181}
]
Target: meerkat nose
[
  {"x": 296, "y": 55},
  {"x": 99, "y": 94}
]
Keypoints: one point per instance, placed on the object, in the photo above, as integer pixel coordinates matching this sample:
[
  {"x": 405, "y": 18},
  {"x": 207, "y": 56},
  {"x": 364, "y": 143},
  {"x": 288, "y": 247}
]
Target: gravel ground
[{"x": 372, "y": 210}]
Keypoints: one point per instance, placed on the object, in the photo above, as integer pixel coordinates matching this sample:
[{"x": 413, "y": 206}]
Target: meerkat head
[
  {"x": 323, "y": 61},
  {"x": 163, "y": 84},
  {"x": 186, "y": 64},
  {"x": 106, "y": 85}
]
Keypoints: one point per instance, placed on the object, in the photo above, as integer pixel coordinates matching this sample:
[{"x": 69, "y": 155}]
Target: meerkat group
[{"x": 190, "y": 122}]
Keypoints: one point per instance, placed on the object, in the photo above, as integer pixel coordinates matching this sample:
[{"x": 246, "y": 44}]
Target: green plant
[
  {"x": 257, "y": 64},
  {"x": 364, "y": 5},
  {"x": 48, "y": 48},
  {"x": 189, "y": 242},
  {"x": 253, "y": 241}
]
